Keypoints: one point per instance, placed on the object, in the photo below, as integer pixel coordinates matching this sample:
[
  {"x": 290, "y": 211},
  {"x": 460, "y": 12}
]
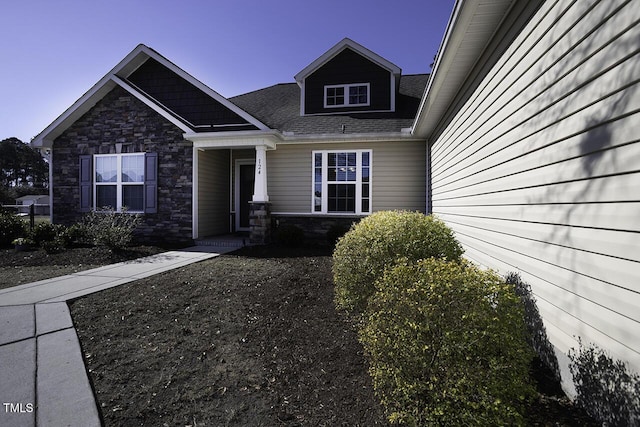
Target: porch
[{"x": 230, "y": 190}]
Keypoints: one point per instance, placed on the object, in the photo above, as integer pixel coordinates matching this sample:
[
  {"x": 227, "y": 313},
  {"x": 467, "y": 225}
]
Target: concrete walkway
[{"x": 43, "y": 379}]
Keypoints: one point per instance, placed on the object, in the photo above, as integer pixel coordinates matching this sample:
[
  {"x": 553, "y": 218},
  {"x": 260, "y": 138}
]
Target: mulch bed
[
  {"x": 245, "y": 339},
  {"x": 249, "y": 338}
]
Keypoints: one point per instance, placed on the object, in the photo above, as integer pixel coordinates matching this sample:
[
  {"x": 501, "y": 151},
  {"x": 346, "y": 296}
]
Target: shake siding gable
[
  {"x": 348, "y": 67},
  {"x": 539, "y": 171}
]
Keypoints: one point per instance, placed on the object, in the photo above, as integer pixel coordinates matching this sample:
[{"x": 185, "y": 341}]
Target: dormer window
[{"x": 349, "y": 95}]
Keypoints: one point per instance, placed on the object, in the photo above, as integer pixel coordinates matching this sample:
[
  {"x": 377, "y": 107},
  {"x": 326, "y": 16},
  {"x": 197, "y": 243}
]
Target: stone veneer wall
[
  {"x": 121, "y": 118},
  {"x": 315, "y": 227},
  {"x": 260, "y": 223}
]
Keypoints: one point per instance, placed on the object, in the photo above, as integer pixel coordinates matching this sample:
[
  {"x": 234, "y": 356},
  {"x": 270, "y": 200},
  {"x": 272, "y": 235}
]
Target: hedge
[{"x": 447, "y": 346}]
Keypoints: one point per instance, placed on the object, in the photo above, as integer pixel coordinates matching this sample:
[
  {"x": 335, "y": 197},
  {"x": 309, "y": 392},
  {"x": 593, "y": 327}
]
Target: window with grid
[
  {"x": 342, "y": 181},
  {"x": 353, "y": 95},
  {"x": 119, "y": 181}
]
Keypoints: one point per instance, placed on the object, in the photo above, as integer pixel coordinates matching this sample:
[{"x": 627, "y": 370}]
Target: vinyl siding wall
[
  {"x": 397, "y": 175},
  {"x": 213, "y": 192},
  {"x": 539, "y": 171}
]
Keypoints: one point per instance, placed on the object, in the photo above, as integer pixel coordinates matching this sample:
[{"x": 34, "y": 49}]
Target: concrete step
[{"x": 223, "y": 241}]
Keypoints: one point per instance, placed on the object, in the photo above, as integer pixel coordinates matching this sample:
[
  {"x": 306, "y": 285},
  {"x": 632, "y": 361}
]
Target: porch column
[
  {"x": 260, "y": 186},
  {"x": 260, "y": 210}
]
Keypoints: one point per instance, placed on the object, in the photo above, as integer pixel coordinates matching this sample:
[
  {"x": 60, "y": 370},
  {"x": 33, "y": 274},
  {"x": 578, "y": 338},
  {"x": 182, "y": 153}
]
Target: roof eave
[
  {"x": 294, "y": 138},
  {"x": 452, "y": 67},
  {"x": 117, "y": 76},
  {"x": 45, "y": 138}
]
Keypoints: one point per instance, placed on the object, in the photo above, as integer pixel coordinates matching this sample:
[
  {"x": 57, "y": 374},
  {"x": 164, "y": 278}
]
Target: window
[
  {"x": 342, "y": 182},
  {"x": 119, "y": 181},
  {"x": 351, "y": 95}
]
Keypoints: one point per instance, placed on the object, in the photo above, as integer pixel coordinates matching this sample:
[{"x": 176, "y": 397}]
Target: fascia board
[
  {"x": 45, "y": 138},
  {"x": 116, "y": 75},
  {"x": 348, "y": 138},
  {"x": 339, "y": 47}
]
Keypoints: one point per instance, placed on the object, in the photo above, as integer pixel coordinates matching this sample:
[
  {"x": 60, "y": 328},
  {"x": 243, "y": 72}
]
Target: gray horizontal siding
[
  {"x": 398, "y": 175},
  {"x": 539, "y": 171},
  {"x": 213, "y": 192}
]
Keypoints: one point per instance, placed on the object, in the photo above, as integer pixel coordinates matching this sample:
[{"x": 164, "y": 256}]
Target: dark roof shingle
[{"x": 278, "y": 107}]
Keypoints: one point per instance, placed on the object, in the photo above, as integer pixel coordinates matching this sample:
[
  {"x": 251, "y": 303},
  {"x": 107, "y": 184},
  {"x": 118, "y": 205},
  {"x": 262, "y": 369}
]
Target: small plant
[
  {"x": 447, "y": 346},
  {"x": 55, "y": 246},
  {"x": 606, "y": 390},
  {"x": 11, "y": 227},
  {"x": 76, "y": 234},
  {"x": 289, "y": 235},
  {"x": 111, "y": 229},
  {"x": 44, "y": 232},
  {"x": 22, "y": 241},
  {"x": 375, "y": 243}
]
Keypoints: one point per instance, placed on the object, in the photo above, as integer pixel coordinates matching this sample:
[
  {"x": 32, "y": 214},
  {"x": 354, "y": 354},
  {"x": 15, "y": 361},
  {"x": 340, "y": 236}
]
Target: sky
[{"x": 52, "y": 52}]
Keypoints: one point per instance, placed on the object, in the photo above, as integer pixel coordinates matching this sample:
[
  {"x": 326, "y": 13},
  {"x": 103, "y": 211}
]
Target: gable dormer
[{"x": 348, "y": 78}]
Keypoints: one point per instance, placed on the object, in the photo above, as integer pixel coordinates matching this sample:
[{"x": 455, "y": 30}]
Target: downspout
[
  {"x": 50, "y": 158},
  {"x": 428, "y": 189},
  {"x": 195, "y": 221}
]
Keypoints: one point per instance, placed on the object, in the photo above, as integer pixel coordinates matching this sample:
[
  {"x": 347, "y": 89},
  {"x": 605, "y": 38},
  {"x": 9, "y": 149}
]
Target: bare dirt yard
[{"x": 246, "y": 339}]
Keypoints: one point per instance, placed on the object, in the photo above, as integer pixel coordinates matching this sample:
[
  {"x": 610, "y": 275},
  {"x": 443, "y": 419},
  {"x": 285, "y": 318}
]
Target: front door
[{"x": 245, "y": 176}]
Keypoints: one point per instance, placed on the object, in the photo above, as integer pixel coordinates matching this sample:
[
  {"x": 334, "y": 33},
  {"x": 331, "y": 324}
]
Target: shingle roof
[{"x": 278, "y": 107}]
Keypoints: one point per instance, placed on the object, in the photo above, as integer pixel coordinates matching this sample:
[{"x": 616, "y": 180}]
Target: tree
[{"x": 20, "y": 164}]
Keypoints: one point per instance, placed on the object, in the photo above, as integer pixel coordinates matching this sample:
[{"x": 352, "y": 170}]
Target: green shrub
[
  {"x": 111, "y": 229},
  {"x": 376, "y": 242},
  {"x": 44, "y": 232},
  {"x": 289, "y": 235},
  {"x": 11, "y": 227},
  {"x": 55, "y": 246},
  {"x": 76, "y": 234},
  {"x": 447, "y": 346}
]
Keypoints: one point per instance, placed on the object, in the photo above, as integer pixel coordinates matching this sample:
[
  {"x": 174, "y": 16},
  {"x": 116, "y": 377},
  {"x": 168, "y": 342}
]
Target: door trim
[{"x": 236, "y": 203}]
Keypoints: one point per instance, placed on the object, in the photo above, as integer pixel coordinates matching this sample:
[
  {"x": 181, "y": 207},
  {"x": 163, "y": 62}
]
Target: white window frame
[
  {"x": 325, "y": 183},
  {"x": 346, "y": 95},
  {"x": 118, "y": 182}
]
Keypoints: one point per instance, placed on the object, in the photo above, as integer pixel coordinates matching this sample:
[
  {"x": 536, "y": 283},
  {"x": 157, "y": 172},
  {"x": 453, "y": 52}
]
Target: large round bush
[
  {"x": 376, "y": 242},
  {"x": 447, "y": 346}
]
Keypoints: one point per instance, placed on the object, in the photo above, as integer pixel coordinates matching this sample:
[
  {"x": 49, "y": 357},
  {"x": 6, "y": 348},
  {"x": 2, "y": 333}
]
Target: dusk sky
[{"x": 52, "y": 52}]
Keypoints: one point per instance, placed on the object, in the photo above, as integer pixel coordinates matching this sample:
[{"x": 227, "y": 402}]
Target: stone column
[
  {"x": 260, "y": 210},
  {"x": 260, "y": 223}
]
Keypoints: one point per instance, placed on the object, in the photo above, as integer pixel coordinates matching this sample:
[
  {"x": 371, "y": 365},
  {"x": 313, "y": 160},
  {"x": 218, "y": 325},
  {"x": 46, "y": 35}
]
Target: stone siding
[
  {"x": 121, "y": 118},
  {"x": 315, "y": 227},
  {"x": 260, "y": 223}
]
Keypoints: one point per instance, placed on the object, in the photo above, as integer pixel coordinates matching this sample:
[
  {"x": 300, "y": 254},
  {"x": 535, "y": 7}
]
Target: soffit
[{"x": 471, "y": 26}]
